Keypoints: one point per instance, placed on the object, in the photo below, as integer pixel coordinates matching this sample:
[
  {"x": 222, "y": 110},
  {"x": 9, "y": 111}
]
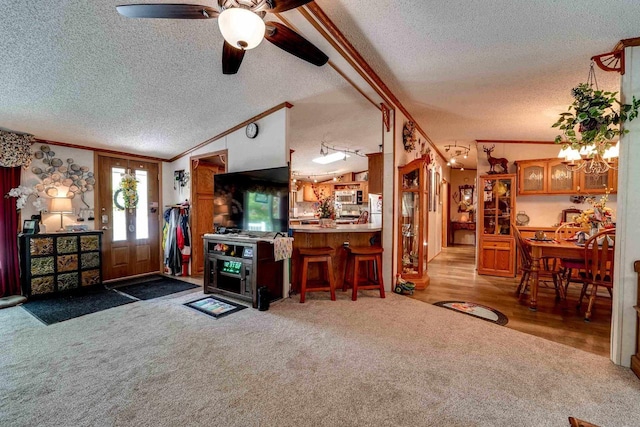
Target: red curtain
[{"x": 9, "y": 266}]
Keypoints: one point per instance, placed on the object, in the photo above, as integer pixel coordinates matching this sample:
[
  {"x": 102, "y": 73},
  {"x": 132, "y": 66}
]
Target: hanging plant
[
  {"x": 594, "y": 118},
  {"x": 409, "y": 136},
  {"x": 128, "y": 192}
]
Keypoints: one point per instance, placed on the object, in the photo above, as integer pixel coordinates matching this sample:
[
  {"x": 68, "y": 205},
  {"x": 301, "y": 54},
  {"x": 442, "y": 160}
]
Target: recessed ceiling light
[{"x": 330, "y": 158}]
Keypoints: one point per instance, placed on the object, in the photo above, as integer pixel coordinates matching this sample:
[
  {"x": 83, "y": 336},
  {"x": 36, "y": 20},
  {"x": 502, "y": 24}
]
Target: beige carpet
[{"x": 374, "y": 362}]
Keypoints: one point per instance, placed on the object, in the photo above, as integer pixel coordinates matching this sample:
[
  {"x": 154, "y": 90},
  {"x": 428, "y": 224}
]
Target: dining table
[{"x": 549, "y": 248}]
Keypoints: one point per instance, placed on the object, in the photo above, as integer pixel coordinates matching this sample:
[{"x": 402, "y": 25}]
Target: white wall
[
  {"x": 543, "y": 211},
  {"x": 269, "y": 149},
  {"x": 29, "y": 179}
]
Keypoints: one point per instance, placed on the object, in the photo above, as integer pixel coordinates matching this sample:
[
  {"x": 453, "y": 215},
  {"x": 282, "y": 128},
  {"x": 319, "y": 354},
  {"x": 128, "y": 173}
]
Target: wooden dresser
[{"x": 59, "y": 262}]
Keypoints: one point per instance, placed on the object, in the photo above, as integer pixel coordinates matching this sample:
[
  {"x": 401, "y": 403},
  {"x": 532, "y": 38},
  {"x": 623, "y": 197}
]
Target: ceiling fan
[{"x": 241, "y": 24}]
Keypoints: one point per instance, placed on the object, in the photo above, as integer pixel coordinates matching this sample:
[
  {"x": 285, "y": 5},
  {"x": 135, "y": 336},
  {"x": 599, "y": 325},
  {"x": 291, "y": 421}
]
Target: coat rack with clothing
[{"x": 176, "y": 239}]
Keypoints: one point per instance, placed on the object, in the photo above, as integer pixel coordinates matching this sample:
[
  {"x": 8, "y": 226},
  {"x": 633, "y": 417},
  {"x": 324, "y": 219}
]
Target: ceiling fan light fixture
[{"x": 241, "y": 28}]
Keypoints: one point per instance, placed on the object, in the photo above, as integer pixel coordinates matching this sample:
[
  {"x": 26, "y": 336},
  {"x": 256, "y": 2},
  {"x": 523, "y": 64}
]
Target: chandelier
[
  {"x": 594, "y": 159},
  {"x": 455, "y": 153}
]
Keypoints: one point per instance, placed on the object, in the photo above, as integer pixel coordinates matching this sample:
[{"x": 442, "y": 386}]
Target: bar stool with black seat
[
  {"x": 323, "y": 257},
  {"x": 372, "y": 256}
]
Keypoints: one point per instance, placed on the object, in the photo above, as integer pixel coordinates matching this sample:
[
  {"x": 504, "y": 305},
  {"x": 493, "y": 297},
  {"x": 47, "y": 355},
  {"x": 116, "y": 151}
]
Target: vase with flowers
[
  {"x": 598, "y": 217},
  {"x": 326, "y": 209},
  {"x": 22, "y": 193}
]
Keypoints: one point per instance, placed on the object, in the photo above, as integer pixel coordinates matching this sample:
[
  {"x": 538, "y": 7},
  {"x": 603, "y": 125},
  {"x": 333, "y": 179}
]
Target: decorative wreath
[
  {"x": 409, "y": 136},
  {"x": 126, "y": 197}
]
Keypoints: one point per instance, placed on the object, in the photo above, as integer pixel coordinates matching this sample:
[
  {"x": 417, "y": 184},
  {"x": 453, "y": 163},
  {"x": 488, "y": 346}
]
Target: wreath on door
[{"x": 126, "y": 197}]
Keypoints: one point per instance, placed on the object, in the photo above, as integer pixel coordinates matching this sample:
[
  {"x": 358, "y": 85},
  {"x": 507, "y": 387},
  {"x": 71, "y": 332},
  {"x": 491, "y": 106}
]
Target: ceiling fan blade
[
  {"x": 167, "y": 10},
  {"x": 284, "y": 5},
  {"x": 231, "y": 59},
  {"x": 292, "y": 42}
]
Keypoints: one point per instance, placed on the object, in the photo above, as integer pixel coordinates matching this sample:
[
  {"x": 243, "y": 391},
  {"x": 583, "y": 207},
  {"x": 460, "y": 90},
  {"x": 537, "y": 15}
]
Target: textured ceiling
[
  {"x": 500, "y": 69},
  {"x": 76, "y": 71}
]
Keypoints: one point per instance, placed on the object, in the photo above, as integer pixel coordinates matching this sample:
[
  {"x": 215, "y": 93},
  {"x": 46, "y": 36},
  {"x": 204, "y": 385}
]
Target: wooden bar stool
[
  {"x": 372, "y": 255},
  {"x": 318, "y": 255}
]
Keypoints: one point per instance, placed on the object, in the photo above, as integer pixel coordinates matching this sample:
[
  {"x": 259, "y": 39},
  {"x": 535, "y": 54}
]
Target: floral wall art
[
  {"x": 61, "y": 178},
  {"x": 82, "y": 200}
]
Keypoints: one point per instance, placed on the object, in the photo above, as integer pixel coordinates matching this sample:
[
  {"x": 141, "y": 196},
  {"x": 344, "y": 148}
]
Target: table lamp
[{"x": 61, "y": 205}]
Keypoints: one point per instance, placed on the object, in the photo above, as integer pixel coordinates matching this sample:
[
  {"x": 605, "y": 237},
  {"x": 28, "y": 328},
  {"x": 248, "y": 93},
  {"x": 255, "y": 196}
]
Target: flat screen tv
[{"x": 256, "y": 200}]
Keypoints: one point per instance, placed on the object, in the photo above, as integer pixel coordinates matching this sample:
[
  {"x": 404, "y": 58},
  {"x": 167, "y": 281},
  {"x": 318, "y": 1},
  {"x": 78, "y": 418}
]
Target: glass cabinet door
[
  {"x": 497, "y": 206},
  {"x": 561, "y": 179},
  {"x": 410, "y": 239},
  {"x": 533, "y": 178}
]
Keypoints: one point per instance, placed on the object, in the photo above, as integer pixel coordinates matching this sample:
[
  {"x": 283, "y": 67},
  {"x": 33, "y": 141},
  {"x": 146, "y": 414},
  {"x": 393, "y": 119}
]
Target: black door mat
[
  {"x": 215, "y": 306},
  {"x": 155, "y": 287},
  {"x": 64, "y": 307}
]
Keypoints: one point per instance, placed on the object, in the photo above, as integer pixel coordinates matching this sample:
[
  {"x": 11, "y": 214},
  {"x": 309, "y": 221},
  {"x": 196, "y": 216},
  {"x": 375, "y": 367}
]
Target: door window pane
[
  {"x": 142, "y": 212},
  {"x": 119, "y": 226}
]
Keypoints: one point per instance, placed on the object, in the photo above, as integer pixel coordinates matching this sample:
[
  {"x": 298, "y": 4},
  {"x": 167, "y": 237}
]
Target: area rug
[
  {"x": 155, "y": 287},
  {"x": 59, "y": 308},
  {"x": 216, "y": 307},
  {"x": 477, "y": 310}
]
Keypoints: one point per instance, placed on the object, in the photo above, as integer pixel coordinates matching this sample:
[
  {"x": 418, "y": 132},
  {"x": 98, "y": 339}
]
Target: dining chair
[
  {"x": 547, "y": 268},
  {"x": 567, "y": 266},
  {"x": 598, "y": 264}
]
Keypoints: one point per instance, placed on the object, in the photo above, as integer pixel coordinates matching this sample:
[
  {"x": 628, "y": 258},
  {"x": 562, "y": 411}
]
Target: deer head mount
[{"x": 493, "y": 161}]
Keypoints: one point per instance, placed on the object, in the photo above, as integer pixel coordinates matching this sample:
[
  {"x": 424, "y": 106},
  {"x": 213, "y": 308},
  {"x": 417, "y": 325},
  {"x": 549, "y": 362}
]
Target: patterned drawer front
[
  {"x": 67, "y": 262},
  {"x": 90, "y": 277},
  {"x": 42, "y": 285},
  {"x": 41, "y": 246},
  {"x": 90, "y": 260},
  {"x": 67, "y": 244},
  {"x": 89, "y": 243},
  {"x": 67, "y": 281},
  {"x": 41, "y": 266}
]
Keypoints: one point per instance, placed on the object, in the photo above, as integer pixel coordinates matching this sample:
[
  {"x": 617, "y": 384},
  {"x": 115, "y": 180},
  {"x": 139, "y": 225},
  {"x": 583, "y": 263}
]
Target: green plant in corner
[{"x": 597, "y": 115}]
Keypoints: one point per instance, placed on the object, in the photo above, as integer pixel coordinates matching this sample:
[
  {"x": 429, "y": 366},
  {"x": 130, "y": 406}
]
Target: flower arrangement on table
[
  {"x": 599, "y": 216},
  {"x": 326, "y": 209}
]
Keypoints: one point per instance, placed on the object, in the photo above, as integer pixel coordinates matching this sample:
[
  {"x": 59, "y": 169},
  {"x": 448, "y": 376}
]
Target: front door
[{"x": 130, "y": 242}]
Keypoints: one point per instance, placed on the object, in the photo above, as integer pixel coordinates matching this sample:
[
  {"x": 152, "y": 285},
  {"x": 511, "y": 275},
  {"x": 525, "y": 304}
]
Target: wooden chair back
[
  {"x": 598, "y": 258},
  {"x": 566, "y": 230},
  {"x": 525, "y": 253}
]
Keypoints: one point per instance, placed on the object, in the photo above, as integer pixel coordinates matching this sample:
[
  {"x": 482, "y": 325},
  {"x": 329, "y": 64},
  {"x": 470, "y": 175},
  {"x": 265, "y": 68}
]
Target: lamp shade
[
  {"x": 61, "y": 205},
  {"x": 241, "y": 28}
]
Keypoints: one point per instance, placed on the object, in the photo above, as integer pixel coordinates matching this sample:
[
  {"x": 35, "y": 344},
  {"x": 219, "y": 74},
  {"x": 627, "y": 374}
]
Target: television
[{"x": 256, "y": 200}]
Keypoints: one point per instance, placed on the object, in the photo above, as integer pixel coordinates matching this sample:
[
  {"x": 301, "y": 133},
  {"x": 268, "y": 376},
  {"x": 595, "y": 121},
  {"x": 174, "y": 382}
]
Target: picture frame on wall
[{"x": 430, "y": 192}]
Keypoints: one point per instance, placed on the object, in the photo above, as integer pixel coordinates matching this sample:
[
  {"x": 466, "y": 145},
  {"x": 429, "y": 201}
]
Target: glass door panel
[
  {"x": 119, "y": 214},
  {"x": 410, "y": 232},
  {"x": 142, "y": 214}
]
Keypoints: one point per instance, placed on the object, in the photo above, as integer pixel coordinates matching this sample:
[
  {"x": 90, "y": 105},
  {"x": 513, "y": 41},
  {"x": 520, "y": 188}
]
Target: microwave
[{"x": 349, "y": 197}]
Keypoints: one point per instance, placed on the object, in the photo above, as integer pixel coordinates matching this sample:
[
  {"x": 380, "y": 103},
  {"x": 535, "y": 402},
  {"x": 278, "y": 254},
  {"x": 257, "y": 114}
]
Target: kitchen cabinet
[
  {"x": 551, "y": 176},
  {"x": 307, "y": 193},
  {"x": 413, "y": 223},
  {"x": 376, "y": 172},
  {"x": 496, "y": 243}
]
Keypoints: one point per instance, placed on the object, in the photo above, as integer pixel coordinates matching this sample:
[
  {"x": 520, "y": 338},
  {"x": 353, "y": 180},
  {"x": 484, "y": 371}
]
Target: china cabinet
[
  {"x": 496, "y": 244},
  {"x": 413, "y": 222}
]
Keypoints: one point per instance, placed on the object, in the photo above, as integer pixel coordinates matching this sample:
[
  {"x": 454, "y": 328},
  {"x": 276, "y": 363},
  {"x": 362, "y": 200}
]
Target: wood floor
[{"x": 453, "y": 277}]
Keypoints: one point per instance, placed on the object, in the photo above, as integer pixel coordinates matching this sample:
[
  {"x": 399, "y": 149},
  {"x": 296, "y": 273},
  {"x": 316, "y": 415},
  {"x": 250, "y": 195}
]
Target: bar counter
[{"x": 313, "y": 236}]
